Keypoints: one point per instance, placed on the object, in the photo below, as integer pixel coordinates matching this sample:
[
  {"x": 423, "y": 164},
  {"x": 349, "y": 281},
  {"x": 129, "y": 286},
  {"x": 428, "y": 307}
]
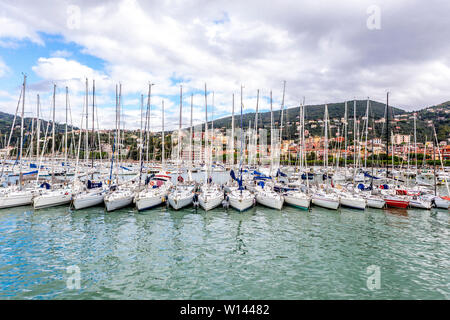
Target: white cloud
[
  {"x": 61, "y": 53},
  {"x": 15, "y": 29},
  {"x": 325, "y": 53},
  {"x": 3, "y": 68}
]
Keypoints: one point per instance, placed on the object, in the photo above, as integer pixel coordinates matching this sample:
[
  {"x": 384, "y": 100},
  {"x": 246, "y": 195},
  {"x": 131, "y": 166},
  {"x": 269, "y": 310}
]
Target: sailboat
[
  {"x": 325, "y": 197},
  {"x": 157, "y": 187},
  {"x": 14, "y": 197},
  {"x": 240, "y": 198},
  {"x": 298, "y": 198},
  {"x": 390, "y": 197},
  {"x": 119, "y": 196},
  {"x": 53, "y": 196},
  {"x": 265, "y": 195},
  {"x": 210, "y": 195},
  {"x": 92, "y": 194},
  {"x": 181, "y": 195},
  {"x": 346, "y": 197}
]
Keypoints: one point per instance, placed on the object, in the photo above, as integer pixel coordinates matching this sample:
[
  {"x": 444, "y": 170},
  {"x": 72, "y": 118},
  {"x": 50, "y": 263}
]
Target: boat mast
[
  {"x": 434, "y": 168},
  {"x": 241, "y": 151},
  {"x": 354, "y": 139},
  {"x": 21, "y": 133},
  {"x": 65, "y": 141},
  {"x": 141, "y": 144},
  {"x": 345, "y": 133},
  {"x": 53, "y": 136},
  {"x": 212, "y": 148},
  {"x": 93, "y": 128},
  {"x": 38, "y": 130},
  {"x": 179, "y": 126},
  {"x": 119, "y": 149},
  {"x": 117, "y": 134},
  {"x": 206, "y": 139},
  {"x": 387, "y": 135},
  {"x": 282, "y": 112},
  {"x": 149, "y": 108},
  {"x": 162, "y": 139},
  {"x": 325, "y": 146},
  {"x": 415, "y": 142},
  {"x": 256, "y": 128},
  {"x": 232, "y": 134},
  {"x": 113, "y": 148},
  {"x": 271, "y": 134},
  {"x": 86, "y": 140},
  {"x": 304, "y": 146},
  {"x": 300, "y": 140},
  {"x": 65, "y": 134},
  {"x": 367, "y": 132},
  {"x": 190, "y": 132}
]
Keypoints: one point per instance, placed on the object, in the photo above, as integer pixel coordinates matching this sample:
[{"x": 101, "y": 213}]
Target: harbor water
[{"x": 258, "y": 254}]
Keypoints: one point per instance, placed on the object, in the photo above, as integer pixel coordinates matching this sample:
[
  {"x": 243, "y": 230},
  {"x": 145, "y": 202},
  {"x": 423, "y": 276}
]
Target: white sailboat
[
  {"x": 122, "y": 195},
  {"x": 157, "y": 189},
  {"x": 17, "y": 196},
  {"x": 325, "y": 200},
  {"x": 52, "y": 197},
  {"x": 240, "y": 199},
  {"x": 182, "y": 194},
  {"x": 88, "y": 196},
  {"x": 325, "y": 197},
  {"x": 298, "y": 198},
  {"x": 210, "y": 195}
]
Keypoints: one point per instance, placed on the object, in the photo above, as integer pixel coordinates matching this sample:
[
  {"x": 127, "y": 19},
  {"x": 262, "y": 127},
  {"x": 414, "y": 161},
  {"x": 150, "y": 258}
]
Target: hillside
[
  {"x": 312, "y": 112},
  {"x": 7, "y": 119}
]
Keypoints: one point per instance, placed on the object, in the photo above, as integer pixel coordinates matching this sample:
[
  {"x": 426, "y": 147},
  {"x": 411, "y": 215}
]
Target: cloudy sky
[{"x": 327, "y": 51}]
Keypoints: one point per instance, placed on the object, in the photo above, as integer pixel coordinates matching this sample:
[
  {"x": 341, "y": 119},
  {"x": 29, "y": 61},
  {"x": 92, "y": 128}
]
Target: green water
[{"x": 258, "y": 254}]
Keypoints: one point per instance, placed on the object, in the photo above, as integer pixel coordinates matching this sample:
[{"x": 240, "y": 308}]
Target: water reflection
[{"x": 261, "y": 253}]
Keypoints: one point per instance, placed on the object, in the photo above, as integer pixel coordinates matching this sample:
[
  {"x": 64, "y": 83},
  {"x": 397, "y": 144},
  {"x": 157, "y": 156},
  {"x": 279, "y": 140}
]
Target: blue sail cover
[
  {"x": 33, "y": 166},
  {"x": 239, "y": 181},
  {"x": 363, "y": 188},
  {"x": 279, "y": 173},
  {"x": 310, "y": 176},
  {"x": 125, "y": 168},
  {"x": 147, "y": 180},
  {"x": 261, "y": 178},
  {"x": 92, "y": 185},
  {"x": 31, "y": 172},
  {"x": 366, "y": 174},
  {"x": 45, "y": 185}
]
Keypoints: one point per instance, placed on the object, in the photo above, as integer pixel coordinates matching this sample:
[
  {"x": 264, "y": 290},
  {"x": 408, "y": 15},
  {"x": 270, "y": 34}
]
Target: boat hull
[
  {"x": 146, "y": 203},
  {"x": 178, "y": 203},
  {"x": 210, "y": 203},
  {"x": 441, "y": 203},
  {"x": 46, "y": 201},
  {"x": 16, "y": 200},
  {"x": 325, "y": 203},
  {"x": 301, "y": 203},
  {"x": 359, "y": 204},
  {"x": 376, "y": 203},
  {"x": 426, "y": 205},
  {"x": 86, "y": 200},
  {"x": 270, "y": 202},
  {"x": 241, "y": 204},
  {"x": 396, "y": 203},
  {"x": 116, "y": 204}
]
